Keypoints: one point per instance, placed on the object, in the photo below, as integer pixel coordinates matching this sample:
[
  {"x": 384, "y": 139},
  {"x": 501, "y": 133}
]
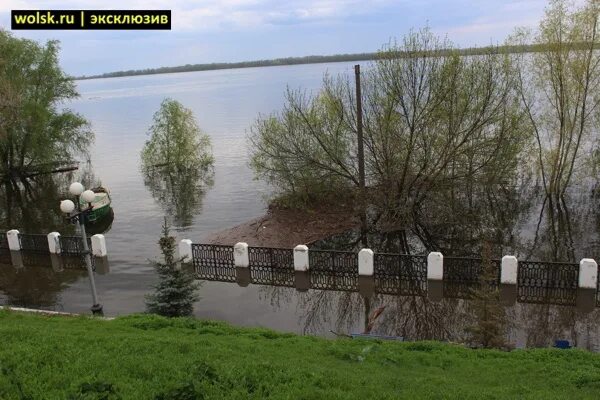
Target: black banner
[{"x": 90, "y": 19}]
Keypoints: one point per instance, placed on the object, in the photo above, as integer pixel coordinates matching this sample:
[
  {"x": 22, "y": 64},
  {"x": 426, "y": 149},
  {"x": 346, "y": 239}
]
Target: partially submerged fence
[
  {"x": 395, "y": 274},
  {"x": 23, "y": 249}
]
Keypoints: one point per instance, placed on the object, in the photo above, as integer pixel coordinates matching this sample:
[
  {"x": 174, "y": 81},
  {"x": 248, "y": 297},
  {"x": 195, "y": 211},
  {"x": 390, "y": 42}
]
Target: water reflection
[
  {"x": 179, "y": 192},
  {"x": 32, "y": 205},
  {"x": 37, "y": 284}
]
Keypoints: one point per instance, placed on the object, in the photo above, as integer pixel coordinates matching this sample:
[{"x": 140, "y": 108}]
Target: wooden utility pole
[
  {"x": 361, "y": 151},
  {"x": 359, "y": 128}
]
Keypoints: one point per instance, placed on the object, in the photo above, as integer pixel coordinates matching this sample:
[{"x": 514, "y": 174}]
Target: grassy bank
[{"x": 146, "y": 357}]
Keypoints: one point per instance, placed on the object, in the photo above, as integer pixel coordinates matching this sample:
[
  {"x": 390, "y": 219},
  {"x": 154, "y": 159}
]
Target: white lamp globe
[
  {"x": 67, "y": 206},
  {"x": 88, "y": 196},
  {"x": 76, "y": 188}
]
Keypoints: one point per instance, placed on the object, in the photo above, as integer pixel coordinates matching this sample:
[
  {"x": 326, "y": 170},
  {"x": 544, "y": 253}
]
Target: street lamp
[{"x": 68, "y": 207}]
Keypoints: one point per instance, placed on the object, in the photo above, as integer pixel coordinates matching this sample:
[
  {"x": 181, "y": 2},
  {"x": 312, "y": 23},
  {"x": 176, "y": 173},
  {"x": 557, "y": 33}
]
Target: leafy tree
[
  {"x": 176, "y": 142},
  {"x": 433, "y": 119},
  {"x": 176, "y": 291},
  {"x": 558, "y": 88},
  {"x": 34, "y": 129}
]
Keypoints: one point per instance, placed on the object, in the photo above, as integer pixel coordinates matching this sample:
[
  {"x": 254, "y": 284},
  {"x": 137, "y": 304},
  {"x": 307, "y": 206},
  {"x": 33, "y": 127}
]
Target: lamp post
[{"x": 68, "y": 207}]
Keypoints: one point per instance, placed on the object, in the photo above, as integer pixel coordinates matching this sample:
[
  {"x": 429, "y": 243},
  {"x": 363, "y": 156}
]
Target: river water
[{"x": 226, "y": 103}]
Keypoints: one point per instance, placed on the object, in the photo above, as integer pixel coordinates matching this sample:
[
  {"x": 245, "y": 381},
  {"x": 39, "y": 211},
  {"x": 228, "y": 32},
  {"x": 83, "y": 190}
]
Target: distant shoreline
[{"x": 471, "y": 51}]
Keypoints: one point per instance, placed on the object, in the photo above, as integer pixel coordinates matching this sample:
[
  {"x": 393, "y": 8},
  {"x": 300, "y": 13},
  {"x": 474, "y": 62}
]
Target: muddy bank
[{"x": 289, "y": 227}]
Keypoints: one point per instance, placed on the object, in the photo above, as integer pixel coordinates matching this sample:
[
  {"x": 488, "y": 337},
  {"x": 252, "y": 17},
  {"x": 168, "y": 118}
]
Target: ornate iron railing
[
  {"x": 333, "y": 270},
  {"x": 213, "y": 262},
  {"x": 3, "y": 241},
  {"x": 547, "y": 282},
  {"x": 271, "y": 266},
  {"x": 463, "y": 275},
  {"x": 401, "y": 274},
  {"x": 34, "y": 242},
  {"x": 73, "y": 245},
  {"x": 396, "y": 274}
]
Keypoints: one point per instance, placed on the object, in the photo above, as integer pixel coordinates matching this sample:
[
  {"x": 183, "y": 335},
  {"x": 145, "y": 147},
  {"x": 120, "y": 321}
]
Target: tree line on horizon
[{"x": 317, "y": 59}]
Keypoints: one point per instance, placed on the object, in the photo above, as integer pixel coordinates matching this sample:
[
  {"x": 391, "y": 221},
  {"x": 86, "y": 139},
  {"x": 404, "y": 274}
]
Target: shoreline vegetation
[
  {"x": 321, "y": 59},
  {"x": 152, "y": 357}
]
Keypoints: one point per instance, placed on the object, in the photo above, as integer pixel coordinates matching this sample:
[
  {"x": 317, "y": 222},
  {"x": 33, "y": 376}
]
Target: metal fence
[
  {"x": 34, "y": 243},
  {"x": 400, "y": 274},
  {"x": 271, "y": 266},
  {"x": 73, "y": 245},
  {"x": 394, "y": 274},
  {"x": 333, "y": 270},
  {"x": 463, "y": 275},
  {"x": 213, "y": 262},
  {"x": 547, "y": 282}
]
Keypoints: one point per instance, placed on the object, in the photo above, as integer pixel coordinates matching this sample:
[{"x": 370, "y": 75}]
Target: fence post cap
[
  {"x": 99, "y": 245},
  {"x": 13, "y": 240},
  {"x": 240, "y": 255},
  {"x": 301, "y": 247},
  {"x": 365, "y": 262},
  {"x": 508, "y": 270},
  {"x": 301, "y": 262},
  {"x": 435, "y": 255},
  {"x": 54, "y": 242},
  {"x": 588, "y": 274},
  {"x": 240, "y": 246}
]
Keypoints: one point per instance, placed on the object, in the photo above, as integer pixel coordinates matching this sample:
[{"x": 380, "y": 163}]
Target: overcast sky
[{"x": 206, "y": 31}]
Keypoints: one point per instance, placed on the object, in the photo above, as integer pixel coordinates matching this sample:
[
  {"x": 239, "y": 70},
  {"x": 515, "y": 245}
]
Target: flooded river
[{"x": 225, "y": 104}]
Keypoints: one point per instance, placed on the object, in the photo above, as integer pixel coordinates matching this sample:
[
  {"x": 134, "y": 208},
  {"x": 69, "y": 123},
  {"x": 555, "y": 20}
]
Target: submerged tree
[
  {"x": 34, "y": 129},
  {"x": 176, "y": 291},
  {"x": 559, "y": 88},
  {"x": 177, "y": 162},
  {"x": 176, "y": 142},
  {"x": 180, "y": 194},
  {"x": 434, "y": 118}
]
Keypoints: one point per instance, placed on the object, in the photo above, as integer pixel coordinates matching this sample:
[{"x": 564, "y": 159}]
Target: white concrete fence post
[
  {"x": 508, "y": 270},
  {"x": 301, "y": 258},
  {"x": 13, "y": 240},
  {"x": 588, "y": 274},
  {"x": 54, "y": 243},
  {"x": 240, "y": 255},
  {"x": 435, "y": 266},
  {"x": 99, "y": 246},
  {"x": 365, "y": 262},
  {"x": 185, "y": 250}
]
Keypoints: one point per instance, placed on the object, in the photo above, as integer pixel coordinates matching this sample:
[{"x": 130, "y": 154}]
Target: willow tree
[
  {"x": 559, "y": 88},
  {"x": 176, "y": 141},
  {"x": 35, "y": 129},
  {"x": 431, "y": 118},
  {"x": 177, "y": 162}
]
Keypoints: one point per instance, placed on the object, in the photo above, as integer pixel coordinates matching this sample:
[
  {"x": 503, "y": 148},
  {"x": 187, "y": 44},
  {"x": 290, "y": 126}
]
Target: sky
[{"x": 205, "y": 31}]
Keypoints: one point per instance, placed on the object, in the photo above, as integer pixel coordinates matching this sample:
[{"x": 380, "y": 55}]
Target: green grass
[{"x": 148, "y": 357}]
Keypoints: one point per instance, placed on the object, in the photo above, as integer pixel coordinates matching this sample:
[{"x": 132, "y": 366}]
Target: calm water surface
[{"x": 225, "y": 104}]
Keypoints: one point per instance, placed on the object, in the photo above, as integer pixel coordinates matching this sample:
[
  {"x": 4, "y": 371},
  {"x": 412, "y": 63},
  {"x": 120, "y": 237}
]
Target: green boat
[{"x": 100, "y": 205}]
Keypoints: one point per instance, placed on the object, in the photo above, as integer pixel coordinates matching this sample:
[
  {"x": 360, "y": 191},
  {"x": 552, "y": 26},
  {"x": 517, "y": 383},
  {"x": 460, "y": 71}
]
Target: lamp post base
[{"x": 97, "y": 309}]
